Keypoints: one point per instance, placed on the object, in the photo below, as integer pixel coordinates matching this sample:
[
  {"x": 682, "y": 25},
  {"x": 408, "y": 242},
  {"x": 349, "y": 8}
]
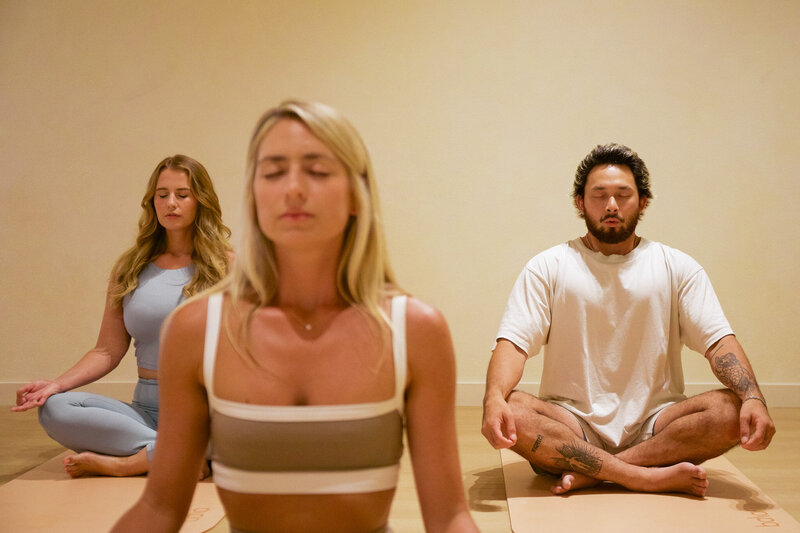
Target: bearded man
[{"x": 612, "y": 311}]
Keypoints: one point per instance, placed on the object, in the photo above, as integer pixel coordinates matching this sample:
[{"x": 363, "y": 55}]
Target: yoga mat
[
  {"x": 46, "y": 499},
  {"x": 733, "y": 503}
]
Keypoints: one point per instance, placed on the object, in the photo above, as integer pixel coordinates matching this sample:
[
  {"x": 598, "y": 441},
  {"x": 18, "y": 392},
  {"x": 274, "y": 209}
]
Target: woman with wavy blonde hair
[
  {"x": 304, "y": 367},
  {"x": 210, "y": 247},
  {"x": 182, "y": 248}
]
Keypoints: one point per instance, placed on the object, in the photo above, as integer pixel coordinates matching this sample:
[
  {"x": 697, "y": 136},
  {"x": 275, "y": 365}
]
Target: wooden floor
[{"x": 24, "y": 445}]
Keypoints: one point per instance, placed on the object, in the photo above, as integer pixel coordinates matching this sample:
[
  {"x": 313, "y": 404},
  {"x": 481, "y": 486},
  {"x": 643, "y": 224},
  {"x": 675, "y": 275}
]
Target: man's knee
[
  {"x": 522, "y": 402},
  {"x": 727, "y": 403},
  {"x": 725, "y": 414}
]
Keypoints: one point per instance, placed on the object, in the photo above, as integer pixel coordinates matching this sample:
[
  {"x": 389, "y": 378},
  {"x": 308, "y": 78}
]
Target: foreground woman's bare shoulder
[
  {"x": 423, "y": 317},
  {"x": 427, "y": 335},
  {"x": 183, "y": 333},
  {"x": 187, "y": 318}
]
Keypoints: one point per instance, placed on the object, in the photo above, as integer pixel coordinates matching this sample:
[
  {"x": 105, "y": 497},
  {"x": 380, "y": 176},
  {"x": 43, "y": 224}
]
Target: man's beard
[{"x": 613, "y": 235}]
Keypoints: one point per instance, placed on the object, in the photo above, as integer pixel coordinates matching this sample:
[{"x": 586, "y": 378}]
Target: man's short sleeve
[
  {"x": 526, "y": 320},
  {"x": 702, "y": 321}
]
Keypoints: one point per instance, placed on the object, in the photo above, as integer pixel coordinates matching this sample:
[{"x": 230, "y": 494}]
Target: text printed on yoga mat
[{"x": 763, "y": 519}]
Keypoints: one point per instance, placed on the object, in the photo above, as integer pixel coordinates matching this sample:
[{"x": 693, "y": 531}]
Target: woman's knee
[
  {"x": 58, "y": 413},
  {"x": 51, "y": 409}
]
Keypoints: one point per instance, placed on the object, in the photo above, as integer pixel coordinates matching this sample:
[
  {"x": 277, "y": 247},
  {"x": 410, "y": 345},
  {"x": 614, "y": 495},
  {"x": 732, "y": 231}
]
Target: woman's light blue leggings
[{"x": 82, "y": 421}]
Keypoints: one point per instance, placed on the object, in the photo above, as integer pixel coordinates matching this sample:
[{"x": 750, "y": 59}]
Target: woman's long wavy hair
[
  {"x": 364, "y": 276},
  {"x": 210, "y": 237}
]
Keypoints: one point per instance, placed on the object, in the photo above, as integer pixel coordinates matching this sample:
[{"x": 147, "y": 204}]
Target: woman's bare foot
[
  {"x": 205, "y": 471},
  {"x": 95, "y": 464}
]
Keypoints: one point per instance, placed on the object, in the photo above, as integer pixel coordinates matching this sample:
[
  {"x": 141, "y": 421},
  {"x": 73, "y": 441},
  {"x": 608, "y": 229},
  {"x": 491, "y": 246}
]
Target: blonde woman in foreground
[
  {"x": 182, "y": 248},
  {"x": 303, "y": 367}
]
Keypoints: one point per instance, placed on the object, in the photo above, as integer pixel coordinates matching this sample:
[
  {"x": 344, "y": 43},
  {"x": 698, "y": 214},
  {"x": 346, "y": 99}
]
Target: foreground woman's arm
[
  {"x": 182, "y": 427},
  {"x": 430, "y": 412}
]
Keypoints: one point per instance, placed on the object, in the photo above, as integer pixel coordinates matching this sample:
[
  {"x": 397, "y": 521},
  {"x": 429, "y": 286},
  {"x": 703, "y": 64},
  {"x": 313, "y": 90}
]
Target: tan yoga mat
[
  {"x": 733, "y": 503},
  {"x": 46, "y": 499}
]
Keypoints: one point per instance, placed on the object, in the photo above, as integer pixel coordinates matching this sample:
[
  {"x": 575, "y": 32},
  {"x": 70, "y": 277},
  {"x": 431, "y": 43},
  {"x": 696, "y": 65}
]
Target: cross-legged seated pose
[
  {"x": 182, "y": 248},
  {"x": 304, "y": 366},
  {"x": 612, "y": 311}
]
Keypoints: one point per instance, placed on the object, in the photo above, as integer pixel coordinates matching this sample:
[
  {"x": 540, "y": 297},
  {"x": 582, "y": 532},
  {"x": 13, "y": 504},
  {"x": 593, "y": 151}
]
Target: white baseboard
[
  {"x": 467, "y": 393},
  {"x": 777, "y": 394}
]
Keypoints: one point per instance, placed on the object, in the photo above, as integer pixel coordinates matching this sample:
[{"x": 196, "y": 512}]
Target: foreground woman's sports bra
[{"x": 309, "y": 449}]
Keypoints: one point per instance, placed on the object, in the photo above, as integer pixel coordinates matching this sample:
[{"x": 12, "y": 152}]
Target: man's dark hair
[{"x": 613, "y": 154}]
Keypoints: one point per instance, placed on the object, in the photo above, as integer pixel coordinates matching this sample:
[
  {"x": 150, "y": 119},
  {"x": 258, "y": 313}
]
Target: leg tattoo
[
  {"x": 537, "y": 443},
  {"x": 578, "y": 457}
]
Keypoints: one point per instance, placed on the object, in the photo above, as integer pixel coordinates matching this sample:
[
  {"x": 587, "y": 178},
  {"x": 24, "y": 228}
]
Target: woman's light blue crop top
[{"x": 159, "y": 292}]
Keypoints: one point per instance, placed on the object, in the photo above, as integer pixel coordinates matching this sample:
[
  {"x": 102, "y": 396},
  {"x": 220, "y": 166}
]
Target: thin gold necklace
[
  {"x": 303, "y": 324},
  {"x": 324, "y": 317}
]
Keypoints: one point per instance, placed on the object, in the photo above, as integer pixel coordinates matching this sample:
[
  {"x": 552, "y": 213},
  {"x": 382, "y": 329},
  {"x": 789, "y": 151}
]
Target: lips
[{"x": 296, "y": 215}]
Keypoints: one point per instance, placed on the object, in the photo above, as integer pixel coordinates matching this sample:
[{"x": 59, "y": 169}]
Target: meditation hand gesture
[
  {"x": 498, "y": 424},
  {"x": 34, "y": 394},
  {"x": 757, "y": 427}
]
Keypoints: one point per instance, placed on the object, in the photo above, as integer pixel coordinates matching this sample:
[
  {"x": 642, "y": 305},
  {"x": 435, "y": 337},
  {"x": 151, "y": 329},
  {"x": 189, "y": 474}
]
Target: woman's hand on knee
[{"x": 34, "y": 394}]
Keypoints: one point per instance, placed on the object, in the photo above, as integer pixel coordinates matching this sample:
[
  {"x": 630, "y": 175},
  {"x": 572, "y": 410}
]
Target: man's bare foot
[
  {"x": 95, "y": 464},
  {"x": 682, "y": 477},
  {"x": 573, "y": 481}
]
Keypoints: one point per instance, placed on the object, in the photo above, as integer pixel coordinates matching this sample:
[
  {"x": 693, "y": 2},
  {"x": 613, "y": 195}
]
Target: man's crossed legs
[{"x": 685, "y": 434}]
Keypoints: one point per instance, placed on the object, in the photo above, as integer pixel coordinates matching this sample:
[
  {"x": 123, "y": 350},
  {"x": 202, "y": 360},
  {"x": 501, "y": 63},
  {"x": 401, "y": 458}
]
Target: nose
[
  {"x": 172, "y": 200},
  {"x": 611, "y": 205},
  {"x": 296, "y": 184}
]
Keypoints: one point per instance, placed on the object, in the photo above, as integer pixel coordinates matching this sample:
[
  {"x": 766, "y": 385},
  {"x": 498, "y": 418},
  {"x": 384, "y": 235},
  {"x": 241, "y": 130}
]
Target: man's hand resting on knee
[
  {"x": 757, "y": 427},
  {"x": 498, "y": 423}
]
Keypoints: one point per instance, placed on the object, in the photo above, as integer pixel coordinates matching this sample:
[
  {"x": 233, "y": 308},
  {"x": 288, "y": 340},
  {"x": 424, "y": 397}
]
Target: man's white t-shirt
[{"x": 612, "y": 328}]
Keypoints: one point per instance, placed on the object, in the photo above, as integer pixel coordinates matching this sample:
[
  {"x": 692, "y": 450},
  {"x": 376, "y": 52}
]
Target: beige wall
[{"x": 476, "y": 114}]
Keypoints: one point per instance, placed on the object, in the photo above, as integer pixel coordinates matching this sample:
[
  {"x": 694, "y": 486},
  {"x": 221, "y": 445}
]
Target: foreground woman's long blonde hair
[
  {"x": 364, "y": 277},
  {"x": 211, "y": 248}
]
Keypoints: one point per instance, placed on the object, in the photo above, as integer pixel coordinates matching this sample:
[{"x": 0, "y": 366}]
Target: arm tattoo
[
  {"x": 733, "y": 375},
  {"x": 537, "y": 443},
  {"x": 578, "y": 457}
]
